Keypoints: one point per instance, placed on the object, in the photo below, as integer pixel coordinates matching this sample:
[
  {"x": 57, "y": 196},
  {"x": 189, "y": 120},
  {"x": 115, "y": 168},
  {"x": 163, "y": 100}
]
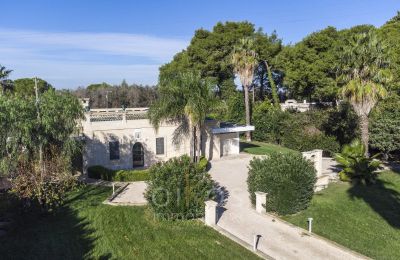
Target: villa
[{"x": 124, "y": 138}]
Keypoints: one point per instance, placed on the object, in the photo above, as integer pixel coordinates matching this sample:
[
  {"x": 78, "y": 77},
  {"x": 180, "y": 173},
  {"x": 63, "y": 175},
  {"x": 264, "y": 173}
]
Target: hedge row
[{"x": 100, "y": 172}]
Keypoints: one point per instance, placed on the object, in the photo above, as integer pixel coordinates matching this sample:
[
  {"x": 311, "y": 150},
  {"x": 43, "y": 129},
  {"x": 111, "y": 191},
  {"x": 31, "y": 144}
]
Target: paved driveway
[{"x": 278, "y": 239}]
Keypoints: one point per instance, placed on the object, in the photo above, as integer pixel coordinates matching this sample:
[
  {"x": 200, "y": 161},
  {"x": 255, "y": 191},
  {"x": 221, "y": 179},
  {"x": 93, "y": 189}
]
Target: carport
[{"x": 223, "y": 139}]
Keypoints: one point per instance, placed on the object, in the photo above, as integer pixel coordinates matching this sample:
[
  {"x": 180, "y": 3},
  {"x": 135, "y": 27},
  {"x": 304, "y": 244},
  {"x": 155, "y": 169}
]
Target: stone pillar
[
  {"x": 210, "y": 213},
  {"x": 261, "y": 199},
  {"x": 124, "y": 117},
  {"x": 315, "y": 156},
  {"x": 318, "y": 162}
]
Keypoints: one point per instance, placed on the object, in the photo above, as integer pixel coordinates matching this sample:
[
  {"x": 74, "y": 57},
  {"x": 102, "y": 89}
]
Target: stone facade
[{"x": 125, "y": 139}]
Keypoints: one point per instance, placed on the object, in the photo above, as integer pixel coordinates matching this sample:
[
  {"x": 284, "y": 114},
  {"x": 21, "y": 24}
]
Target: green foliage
[
  {"x": 5, "y": 83},
  {"x": 100, "y": 172},
  {"x": 385, "y": 126},
  {"x": 356, "y": 166},
  {"x": 306, "y": 142},
  {"x": 25, "y": 132},
  {"x": 389, "y": 35},
  {"x": 308, "y": 66},
  {"x": 235, "y": 108},
  {"x": 103, "y": 173},
  {"x": 297, "y": 131},
  {"x": 288, "y": 179},
  {"x": 26, "y": 86},
  {"x": 269, "y": 122},
  {"x": 185, "y": 99},
  {"x": 178, "y": 188},
  {"x": 85, "y": 228},
  {"x": 342, "y": 123},
  {"x": 202, "y": 164},
  {"x": 210, "y": 53}
]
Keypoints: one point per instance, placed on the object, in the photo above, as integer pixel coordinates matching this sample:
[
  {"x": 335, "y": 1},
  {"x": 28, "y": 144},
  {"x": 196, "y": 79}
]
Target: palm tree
[
  {"x": 4, "y": 82},
  {"x": 363, "y": 70},
  {"x": 244, "y": 60},
  {"x": 186, "y": 99},
  {"x": 355, "y": 165}
]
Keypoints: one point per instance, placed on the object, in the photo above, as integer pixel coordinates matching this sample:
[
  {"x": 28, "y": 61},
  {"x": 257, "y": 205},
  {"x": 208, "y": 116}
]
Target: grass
[
  {"x": 363, "y": 218},
  {"x": 87, "y": 229},
  {"x": 260, "y": 148}
]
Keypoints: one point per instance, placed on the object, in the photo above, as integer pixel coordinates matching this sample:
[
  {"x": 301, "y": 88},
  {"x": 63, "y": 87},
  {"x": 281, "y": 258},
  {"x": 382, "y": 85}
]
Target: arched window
[{"x": 138, "y": 155}]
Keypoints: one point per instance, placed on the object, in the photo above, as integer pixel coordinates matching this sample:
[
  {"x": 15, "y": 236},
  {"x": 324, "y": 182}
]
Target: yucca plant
[{"x": 355, "y": 165}]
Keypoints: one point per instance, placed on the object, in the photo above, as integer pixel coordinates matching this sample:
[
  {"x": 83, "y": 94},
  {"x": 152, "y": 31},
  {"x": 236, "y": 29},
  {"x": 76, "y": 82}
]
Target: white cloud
[{"x": 68, "y": 59}]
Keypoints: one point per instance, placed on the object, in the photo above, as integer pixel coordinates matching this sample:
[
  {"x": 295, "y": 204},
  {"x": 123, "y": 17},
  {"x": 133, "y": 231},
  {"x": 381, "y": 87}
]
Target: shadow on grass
[
  {"x": 245, "y": 145},
  {"x": 383, "y": 200},
  {"x": 62, "y": 235}
]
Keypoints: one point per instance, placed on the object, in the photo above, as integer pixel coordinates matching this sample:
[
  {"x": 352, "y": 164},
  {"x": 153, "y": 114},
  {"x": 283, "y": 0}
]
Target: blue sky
[{"x": 75, "y": 43}]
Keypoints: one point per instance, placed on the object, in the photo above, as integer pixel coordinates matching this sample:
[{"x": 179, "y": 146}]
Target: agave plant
[{"x": 356, "y": 166}]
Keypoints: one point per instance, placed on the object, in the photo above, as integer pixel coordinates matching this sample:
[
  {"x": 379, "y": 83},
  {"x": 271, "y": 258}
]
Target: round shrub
[
  {"x": 288, "y": 179},
  {"x": 178, "y": 188}
]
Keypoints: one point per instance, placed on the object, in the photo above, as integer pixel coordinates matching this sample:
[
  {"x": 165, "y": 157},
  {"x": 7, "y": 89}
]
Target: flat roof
[{"x": 232, "y": 129}]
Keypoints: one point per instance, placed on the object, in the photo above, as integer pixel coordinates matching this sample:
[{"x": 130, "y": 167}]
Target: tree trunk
[
  {"x": 247, "y": 105},
  {"x": 194, "y": 139},
  {"x": 364, "y": 132},
  {"x": 274, "y": 90},
  {"x": 198, "y": 143}
]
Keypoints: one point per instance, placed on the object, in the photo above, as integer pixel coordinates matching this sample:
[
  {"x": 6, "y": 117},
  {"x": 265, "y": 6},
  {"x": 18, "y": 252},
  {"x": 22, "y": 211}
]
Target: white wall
[{"x": 99, "y": 134}]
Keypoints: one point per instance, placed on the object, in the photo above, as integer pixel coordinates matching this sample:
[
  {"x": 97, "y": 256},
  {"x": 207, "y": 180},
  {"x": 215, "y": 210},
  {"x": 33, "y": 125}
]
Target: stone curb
[
  {"x": 305, "y": 232},
  {"x": 239, "y": 241}
]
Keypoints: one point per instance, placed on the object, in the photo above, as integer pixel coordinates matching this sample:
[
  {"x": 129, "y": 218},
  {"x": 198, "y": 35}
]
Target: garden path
[
  {"x": 279, "y": 240},
  {"x": 131, "y": 195}
]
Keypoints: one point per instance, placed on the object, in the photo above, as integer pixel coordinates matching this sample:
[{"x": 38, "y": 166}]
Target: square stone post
[
  {"x": 210, "y": 215},
  {"x": 318, "y": 162},
  {"x": 261, "y": 199}
]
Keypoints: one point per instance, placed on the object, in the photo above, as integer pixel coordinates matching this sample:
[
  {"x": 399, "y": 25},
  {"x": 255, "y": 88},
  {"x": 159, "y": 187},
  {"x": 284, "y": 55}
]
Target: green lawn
[
  {"x": 260, "y": 148},
  {"x": 365, "y": 219},
  {"x": 86, "y": 228}
]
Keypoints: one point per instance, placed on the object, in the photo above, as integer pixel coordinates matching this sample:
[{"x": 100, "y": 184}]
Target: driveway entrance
[{"x": 278, "y": 239}]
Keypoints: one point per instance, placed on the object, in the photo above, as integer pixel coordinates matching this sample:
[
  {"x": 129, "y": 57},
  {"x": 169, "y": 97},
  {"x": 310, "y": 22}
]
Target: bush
[
  {"x": 131, "y": 175},
  {"x": 269, "y": 122},
  {"x": 297, "y": 131},
  {"x": 178, "y": 188},
  {"x": 100, "y": 172},
  {"x": 202, "y": 164},
  {"x": 342, "y": 122},
  {"x": 288, "y": 179},
  {"x": 307, "y": 142},
  {"x": 385, "y": 126}
]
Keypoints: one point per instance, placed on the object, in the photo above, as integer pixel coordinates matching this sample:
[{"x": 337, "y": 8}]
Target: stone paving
[
  {"x": 279, "y": 240},
  {"x": 131, "y": 195}
]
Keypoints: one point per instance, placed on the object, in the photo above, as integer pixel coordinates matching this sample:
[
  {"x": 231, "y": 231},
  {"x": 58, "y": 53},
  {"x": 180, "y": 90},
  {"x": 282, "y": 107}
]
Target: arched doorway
[{"x": 138, "y": 155}]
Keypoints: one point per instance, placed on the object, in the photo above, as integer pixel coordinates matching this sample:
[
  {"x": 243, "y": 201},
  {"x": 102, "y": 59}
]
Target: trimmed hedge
[
  {"x": 100, "y": 172},
  {"x": 288, "y": 179},
  {"x": 178, "y": 188}
]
